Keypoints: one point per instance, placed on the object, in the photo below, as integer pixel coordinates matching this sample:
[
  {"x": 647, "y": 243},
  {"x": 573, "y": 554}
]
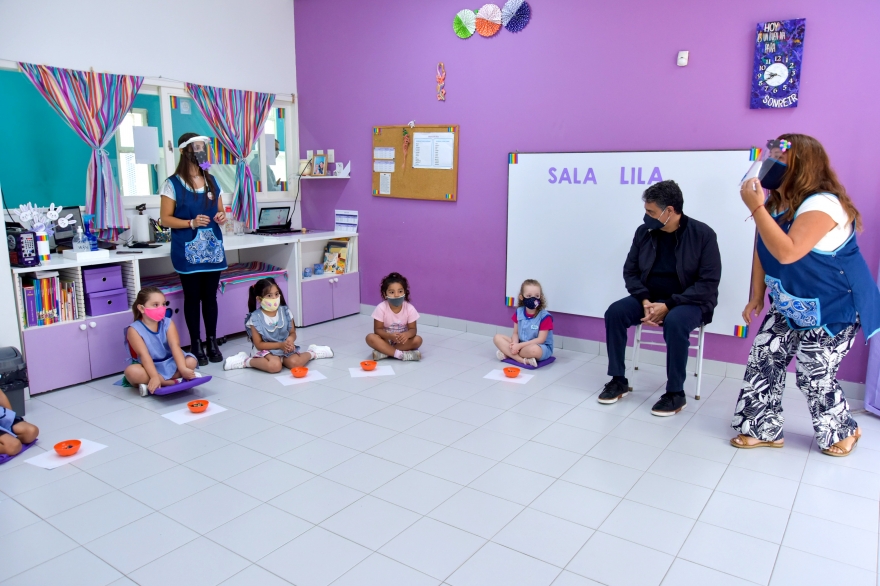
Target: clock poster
[{"x": 779, "y": 54}]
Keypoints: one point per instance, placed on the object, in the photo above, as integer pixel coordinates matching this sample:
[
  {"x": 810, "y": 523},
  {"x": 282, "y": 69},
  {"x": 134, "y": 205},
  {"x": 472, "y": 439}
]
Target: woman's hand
[
  {"x": 752, "y": 194},
  {"x": 754, "y": 306},
  {"x": 201, "y": 221},
  {"x": 155, "y": 383},
  {"x": 220, "y": 218}
]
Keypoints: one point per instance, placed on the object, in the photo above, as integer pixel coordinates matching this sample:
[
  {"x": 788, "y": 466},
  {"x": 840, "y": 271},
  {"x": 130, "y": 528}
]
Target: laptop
[
  {"x": 274, "y": 221},
  {"x": 64, "y": 236}
]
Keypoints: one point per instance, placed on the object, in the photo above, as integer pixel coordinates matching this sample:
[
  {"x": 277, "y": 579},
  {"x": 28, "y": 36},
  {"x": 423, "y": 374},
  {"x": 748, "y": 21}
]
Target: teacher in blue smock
[
  {"x": 821, "y": 294},
  {"x": 192, "y": 207}
]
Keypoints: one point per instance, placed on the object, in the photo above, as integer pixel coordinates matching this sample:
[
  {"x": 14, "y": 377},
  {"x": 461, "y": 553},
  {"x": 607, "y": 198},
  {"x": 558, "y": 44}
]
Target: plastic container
[
  {"x": 299, "y": 371},
  {"x": 93, "y": 240},
  {"x": 198, "y": 406},
  {"x": 68, "y": 447},
  {"x": 368, "y": 365},
  {"x": 13, "y": 377},
  {"x": 511, "y": 372}
]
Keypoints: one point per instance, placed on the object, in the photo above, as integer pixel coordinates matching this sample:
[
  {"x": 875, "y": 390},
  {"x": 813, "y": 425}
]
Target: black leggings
[{"x": 200, "y": 289}]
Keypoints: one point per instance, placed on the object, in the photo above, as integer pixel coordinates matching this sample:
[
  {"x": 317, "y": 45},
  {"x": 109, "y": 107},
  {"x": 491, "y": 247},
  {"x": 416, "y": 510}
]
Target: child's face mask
[
  {"x": 154, "y": 313},
  {"x": 270, "y": 304}
]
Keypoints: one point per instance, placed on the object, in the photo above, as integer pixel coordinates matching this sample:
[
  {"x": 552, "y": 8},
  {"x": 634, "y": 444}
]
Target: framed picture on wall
[{"x": 319, "y": 166}]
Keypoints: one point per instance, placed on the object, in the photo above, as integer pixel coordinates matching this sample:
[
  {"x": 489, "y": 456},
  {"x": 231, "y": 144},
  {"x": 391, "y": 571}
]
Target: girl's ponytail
[{"x": 252, "y": 298}]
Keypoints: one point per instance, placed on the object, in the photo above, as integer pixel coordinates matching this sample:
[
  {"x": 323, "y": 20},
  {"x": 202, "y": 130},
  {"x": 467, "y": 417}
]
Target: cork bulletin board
[{"x": 405, "y": 181}]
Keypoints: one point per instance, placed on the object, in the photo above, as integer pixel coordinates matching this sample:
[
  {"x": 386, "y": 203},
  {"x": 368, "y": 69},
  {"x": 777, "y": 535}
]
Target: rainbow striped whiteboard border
[
  {"x": 741, "y": 331},
  {"x": 513, "y": 159}
]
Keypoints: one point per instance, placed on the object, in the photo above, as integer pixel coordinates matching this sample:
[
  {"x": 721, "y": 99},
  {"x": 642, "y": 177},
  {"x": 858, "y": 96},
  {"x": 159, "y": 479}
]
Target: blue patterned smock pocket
[
  {"x": 205, "y": 248},
  {"x": 804, "y": 313}
]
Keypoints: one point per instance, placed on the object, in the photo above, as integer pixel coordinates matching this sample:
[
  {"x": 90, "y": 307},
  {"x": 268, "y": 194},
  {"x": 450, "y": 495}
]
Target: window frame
[{"x": 166, "y": 88}]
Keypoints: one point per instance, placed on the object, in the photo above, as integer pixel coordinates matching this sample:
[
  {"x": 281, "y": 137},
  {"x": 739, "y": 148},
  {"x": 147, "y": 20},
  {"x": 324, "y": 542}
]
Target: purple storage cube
[
  {"x": 104, "y": 302},
  {"x": 104, "y": 278}
]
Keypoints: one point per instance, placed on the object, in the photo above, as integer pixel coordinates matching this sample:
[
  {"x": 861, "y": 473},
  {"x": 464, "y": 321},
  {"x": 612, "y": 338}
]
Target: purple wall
[{"x": 583, "y": 76}]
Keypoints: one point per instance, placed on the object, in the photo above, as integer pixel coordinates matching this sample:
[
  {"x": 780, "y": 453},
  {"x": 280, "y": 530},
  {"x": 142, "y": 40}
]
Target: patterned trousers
[{"x": 758, "y": 411}]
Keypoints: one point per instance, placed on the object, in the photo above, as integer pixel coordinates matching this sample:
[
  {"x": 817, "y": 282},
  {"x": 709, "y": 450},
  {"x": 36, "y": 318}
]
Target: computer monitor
[
  {"x": 69, "y": 232},
  {"x": 272, "y": 217}
]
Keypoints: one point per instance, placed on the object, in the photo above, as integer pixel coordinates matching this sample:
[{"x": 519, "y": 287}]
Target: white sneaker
[
  {"x": 144, "y": 390},
  {"x": 236, "y": 361},
  {"x": 321, "y": 351},
  {"x": 411, "y": 355},
  {"x": 533, "y": 362},
  {"x": 378, "y": 355},
  {"x": 500, "y": 355}
]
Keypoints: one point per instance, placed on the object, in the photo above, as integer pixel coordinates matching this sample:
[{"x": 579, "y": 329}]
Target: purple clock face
[{"x": 776, "y": 75}]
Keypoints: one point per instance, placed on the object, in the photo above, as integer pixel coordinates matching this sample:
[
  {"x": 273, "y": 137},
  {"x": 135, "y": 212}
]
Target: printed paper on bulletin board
[{"x": 414, "y": 183}]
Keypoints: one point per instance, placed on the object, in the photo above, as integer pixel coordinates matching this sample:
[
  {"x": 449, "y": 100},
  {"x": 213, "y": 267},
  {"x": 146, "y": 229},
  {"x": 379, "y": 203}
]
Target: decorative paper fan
[
  {"x": 464, "y": 23},
  {"x": 488, "y": 20},
  {"x": 516, "y": 15}
]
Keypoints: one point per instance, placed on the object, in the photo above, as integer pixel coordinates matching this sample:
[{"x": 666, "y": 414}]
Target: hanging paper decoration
[
  {"x": 406, "y": 140},
  {"x": 441, "y": 82},
  {"x": 464, "y": 23},
  {"x": 488, "y": 20},
  {"x": 516, "y": 15}
]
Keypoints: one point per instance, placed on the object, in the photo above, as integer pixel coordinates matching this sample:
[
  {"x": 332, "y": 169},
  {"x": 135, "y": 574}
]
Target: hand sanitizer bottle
[{"x": 80, "y": 242}]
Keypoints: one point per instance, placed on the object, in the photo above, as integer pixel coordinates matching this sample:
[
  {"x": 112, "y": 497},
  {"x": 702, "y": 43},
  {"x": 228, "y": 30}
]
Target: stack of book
[
  {"x": 48, "y": 299},
  {"x": 336, "y": 253}
]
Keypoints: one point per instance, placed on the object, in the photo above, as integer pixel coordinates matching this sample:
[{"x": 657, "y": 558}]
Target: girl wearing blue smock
[
  {"x": 821, "y": 294},
  {"x": 152, "y": 338},
  {"x": 193, "y": 208}
]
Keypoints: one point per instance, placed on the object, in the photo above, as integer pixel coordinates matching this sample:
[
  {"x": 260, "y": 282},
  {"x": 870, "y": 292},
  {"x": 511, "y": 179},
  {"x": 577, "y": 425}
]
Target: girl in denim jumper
[
  {"x": 270, "y": 328},
  {"x": 532, "y": 339}
]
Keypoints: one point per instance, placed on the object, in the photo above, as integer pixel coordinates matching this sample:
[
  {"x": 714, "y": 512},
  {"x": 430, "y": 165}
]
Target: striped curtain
[
  {"x": 237, "y": 117},
  {"x": 93, "y": 104}
]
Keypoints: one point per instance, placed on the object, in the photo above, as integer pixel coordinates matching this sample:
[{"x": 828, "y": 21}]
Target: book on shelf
[
  {"x": 48, "y": 299},
  {"x": 335, "y": 254}
]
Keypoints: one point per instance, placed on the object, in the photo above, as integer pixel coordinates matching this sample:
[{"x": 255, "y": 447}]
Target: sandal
[
  {"x": 739, "y": 443},
  {"x": 843, "y": 453}
]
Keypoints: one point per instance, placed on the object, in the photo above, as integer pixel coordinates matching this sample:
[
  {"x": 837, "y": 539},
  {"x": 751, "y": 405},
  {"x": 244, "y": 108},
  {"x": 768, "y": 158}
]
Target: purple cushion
[
  {"x": 6, "y": 457},
  {"x": 526, "y": 366},
  {"x": 187, "y": 384}
]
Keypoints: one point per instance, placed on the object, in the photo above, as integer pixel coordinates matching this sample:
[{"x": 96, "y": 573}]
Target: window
[{"x": 43, "y": 161}]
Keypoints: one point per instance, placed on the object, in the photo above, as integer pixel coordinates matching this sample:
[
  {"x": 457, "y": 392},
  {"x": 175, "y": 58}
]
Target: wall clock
[{"x": 779, "y": 53}]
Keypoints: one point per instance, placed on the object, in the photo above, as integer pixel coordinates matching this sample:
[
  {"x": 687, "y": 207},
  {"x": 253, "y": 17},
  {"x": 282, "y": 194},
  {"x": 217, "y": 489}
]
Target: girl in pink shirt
[{"x": 394, "y": 322}]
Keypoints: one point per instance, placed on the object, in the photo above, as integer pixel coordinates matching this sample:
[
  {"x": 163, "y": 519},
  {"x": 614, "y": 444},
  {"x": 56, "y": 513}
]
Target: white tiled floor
[{"x": 433, "y": 476}]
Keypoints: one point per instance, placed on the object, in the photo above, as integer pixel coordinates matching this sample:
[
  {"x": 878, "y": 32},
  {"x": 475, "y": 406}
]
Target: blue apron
[
  {"x": 831, "y": 290},
  {"x": 199, "y": 250},
  {"x": 528, "y": 328}
]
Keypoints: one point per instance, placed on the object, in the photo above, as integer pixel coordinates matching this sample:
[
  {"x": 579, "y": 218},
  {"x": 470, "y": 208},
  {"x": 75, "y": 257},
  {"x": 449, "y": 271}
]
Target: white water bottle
[{"x": 80, "y": 242}]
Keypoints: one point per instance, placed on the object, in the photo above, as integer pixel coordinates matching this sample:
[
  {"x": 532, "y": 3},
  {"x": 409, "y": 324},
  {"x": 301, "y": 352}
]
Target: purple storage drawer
[
  {"x": 104, "y": 278},
  {"x": 105, "y": 302}
]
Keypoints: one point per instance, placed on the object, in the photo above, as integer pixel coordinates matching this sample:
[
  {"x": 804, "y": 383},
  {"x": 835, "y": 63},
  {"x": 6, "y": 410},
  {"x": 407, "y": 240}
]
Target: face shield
[
  {"x": 199, "y": 155},
  {"x": 768, "y": 167}
]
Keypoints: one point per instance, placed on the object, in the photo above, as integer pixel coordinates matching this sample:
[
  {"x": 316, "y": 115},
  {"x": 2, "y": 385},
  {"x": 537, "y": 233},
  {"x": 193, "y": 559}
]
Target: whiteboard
[{"x": 571, "y": 218}]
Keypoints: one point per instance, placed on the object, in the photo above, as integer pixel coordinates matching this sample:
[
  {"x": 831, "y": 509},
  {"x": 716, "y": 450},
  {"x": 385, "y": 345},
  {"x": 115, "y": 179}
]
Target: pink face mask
[{"x": 155, "y": 313}]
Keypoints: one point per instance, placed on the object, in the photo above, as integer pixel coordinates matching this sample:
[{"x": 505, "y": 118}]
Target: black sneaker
[
  {"x": 614, "y": 390},
  {"x": 669, "y": 404}
]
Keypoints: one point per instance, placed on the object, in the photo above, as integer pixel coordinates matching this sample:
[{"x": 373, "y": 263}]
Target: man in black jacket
[{"x": 672, "y": 273}]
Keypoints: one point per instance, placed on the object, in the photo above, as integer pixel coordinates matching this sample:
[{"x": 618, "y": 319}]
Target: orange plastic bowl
[
  {"x": 68, "y": 447},
  {"x": 299, "y": 371},
  {"x": 197, "y": 406},
  {"x": 368, "y": 365},
  {"x": 511, "y": 372}
]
